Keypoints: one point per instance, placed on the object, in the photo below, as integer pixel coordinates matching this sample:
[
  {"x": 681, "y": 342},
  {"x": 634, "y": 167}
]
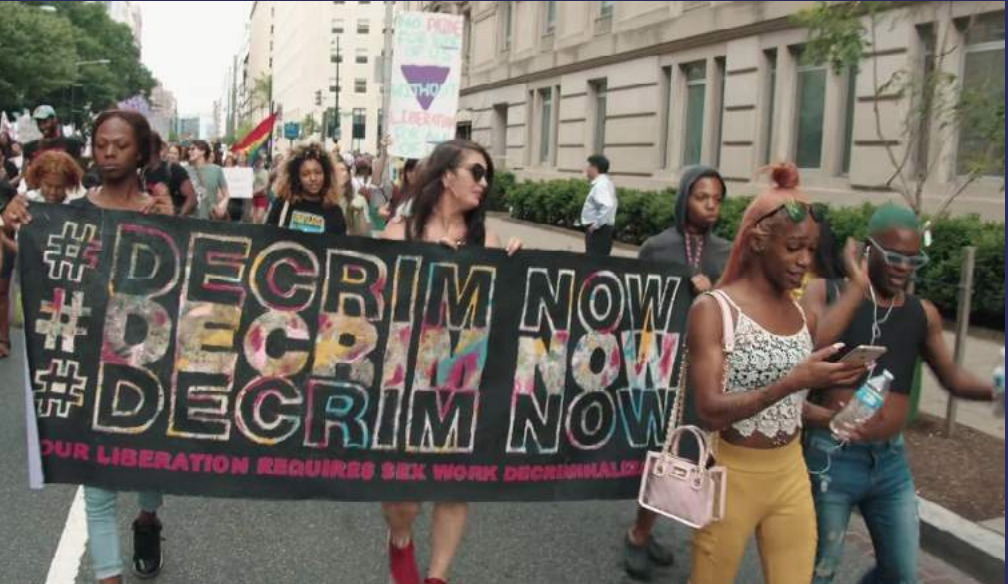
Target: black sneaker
[
  {"x": 660, "y": 553},
  {"x": 636, "y": 561},
  {"x": 147, "y": 557}
]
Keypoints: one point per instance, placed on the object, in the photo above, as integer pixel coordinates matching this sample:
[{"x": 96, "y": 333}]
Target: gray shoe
[
  {"x": 636, "y": 560},
  {"x": 660, "y": 553}
]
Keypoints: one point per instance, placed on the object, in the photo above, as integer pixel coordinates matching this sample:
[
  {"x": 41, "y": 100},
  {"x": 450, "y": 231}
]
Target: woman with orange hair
[
  {"x": 55, "y": 173},
  {"x": 752, "y": 395}
]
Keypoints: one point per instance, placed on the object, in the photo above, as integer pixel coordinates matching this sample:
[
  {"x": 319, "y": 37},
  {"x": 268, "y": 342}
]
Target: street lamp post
[{"x": 73, "y": 103}]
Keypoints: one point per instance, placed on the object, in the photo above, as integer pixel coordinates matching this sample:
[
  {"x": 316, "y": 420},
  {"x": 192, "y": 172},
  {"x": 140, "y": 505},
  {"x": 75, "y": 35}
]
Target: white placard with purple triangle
[{"x": 426, "y": 73}]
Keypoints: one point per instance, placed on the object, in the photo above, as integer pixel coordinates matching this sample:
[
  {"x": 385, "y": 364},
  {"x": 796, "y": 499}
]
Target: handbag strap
[
  {"x": 283, "y": 213},
  {"x": 727, "y": 319},
  {"x": 675, "y": 422}
]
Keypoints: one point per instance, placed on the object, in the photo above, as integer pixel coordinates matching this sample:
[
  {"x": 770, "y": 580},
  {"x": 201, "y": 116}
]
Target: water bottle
[
  {"x": 999, "y": 387},
  {"x": 866, "y": 401}
]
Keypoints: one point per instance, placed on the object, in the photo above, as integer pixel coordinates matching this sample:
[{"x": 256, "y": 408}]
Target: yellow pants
[{"x": 768, "y": 494}]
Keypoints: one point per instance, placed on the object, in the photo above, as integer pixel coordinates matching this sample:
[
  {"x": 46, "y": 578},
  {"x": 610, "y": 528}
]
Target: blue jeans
[
  {"x": 876, "y": 478},
  {"x": 103, "y": 528}
]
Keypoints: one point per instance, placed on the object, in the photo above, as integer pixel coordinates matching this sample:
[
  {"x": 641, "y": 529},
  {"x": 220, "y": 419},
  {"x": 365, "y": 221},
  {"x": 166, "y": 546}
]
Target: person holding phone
[{"x": 868, "y": 466}]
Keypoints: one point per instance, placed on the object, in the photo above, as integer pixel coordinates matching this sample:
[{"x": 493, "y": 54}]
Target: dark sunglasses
[
  {"x": 797, "y": 212},
  {"x": 895, "y": 258},
  {"x": 478, "y": 172}
]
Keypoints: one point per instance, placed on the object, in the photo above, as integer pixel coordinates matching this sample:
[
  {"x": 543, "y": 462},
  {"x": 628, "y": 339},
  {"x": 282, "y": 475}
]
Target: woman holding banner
[
  {"x": 121, "y": 143},
  {"x": 753, "y": 396},
  {"x": 449, "y": 208}
]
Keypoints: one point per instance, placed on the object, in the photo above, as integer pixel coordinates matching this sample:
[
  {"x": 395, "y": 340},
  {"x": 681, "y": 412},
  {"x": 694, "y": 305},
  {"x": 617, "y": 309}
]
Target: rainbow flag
[{"x": 257, "y": 137}]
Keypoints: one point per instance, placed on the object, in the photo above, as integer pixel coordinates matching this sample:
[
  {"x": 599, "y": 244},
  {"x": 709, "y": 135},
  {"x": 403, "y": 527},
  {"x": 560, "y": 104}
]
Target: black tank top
[{"x": 903, "y": 333}]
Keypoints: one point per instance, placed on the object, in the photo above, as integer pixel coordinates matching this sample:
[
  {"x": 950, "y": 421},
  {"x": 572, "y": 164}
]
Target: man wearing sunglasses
[
  {"x": 598, "y": 216},
  {"x": 870, "y": 471}
]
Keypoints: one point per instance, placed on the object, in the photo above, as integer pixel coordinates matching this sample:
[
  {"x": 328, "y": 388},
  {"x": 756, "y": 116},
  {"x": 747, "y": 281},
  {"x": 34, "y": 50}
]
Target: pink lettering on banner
[
  {"x": 328, "y": 468},
  {"x": 572, "y": 472},
  {"x": 65, "y": 450},
  {"x": 191, "y": 462}
]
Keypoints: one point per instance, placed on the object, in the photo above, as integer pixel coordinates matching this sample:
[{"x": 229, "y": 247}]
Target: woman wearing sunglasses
[
  {"x": 753, "y": 396},
  {"x": 448, "y": 208},
  {"x": 871, "y": 470}
]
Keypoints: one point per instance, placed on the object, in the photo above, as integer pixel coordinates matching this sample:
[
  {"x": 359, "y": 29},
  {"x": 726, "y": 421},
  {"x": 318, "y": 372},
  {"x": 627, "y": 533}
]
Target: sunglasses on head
[
  {"x": 895, "y": 258},
  {"x": 798, "y": 211},
  {"x": 478, "y": 172}
]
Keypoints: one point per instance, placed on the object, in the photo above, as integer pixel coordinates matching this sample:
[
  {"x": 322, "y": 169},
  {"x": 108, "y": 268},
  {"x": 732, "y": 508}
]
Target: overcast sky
[{"x": 189, "y": 46}]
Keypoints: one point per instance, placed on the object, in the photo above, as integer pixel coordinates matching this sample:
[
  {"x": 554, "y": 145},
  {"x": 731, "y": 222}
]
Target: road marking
[{"x": 66, "y": 560}]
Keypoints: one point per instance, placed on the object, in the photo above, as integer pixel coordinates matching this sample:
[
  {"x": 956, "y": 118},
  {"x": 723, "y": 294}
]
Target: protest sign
[
  {"x": 239, "y": 182},
  {"x": 222, "y": 359},
  {"x": 426, "y": 72}
]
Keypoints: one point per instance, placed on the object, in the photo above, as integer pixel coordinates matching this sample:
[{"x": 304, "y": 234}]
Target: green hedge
[{"x": 642, "y": 214}]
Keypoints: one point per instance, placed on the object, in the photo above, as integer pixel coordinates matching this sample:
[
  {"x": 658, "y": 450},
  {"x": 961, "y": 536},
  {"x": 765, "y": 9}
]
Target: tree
[
  {"x": 261, "y": 93},
  {"x": 938, "y": 100},
  {"x": 240, "y": 132},
  {"x": 56, "y": 56},
  {"x": 309, "y": 125},
  {"x": 30, "y": 75}
]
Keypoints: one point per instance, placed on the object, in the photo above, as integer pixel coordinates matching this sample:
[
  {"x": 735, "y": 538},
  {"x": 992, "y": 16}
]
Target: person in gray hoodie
[{"x": 688, "y": 243}]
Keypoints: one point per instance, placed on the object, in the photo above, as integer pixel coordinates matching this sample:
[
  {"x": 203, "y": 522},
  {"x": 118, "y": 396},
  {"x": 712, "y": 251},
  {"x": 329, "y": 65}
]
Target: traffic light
[{"x": 318, "y": 97}]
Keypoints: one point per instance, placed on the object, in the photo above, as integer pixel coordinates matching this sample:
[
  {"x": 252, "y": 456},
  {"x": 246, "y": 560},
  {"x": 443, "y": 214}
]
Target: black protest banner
[{"x": 245, "y": 361}]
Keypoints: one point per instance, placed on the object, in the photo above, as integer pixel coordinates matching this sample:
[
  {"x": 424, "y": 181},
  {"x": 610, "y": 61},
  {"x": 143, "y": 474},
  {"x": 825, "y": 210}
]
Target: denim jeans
[
  {"x": 103, "y": 528},
  {"x": 875, "y": 478}
]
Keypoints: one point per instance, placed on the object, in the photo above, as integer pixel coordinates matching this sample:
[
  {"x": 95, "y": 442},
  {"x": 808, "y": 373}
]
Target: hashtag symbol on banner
[
  {"x": 68, "y": 253},
  {"x": 59, "y": 388},
  {"x": 60, "y": 328}
]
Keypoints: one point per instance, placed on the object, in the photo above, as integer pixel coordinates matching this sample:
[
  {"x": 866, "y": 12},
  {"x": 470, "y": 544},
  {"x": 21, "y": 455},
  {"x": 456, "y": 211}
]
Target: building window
[
  {"x": 722, "y": 72},
  {"x": 545, "y": 125},
  {"x": 811, "y": 99},
  {"x": 606, "y": 8},
  {"x": 983, "y": 87},
  {"x": 551, "y": 14},
  {"x": 381, "y": 123},
  {"x": 360, "y": 85},
  {"x": 361, "y": 57},
  {"x": 851, "y": 99},
  {"x": 500, "y": 130},
  {"x": 363, "y": 26},
  {"x": 359, "y": 125},
  {"x": 696, "y": 94},
  {"x": 926, "y": 37},
  {"x": 337, "y": 25},
  {"x": 666, "y": 116},
  {"x": 463, "y": 130},
  {"x": 769, "y": 96},
  {"x": 693, "y": 5},
  {"x": 597, "y": 90},
  {"x": 507, "y": 15}
]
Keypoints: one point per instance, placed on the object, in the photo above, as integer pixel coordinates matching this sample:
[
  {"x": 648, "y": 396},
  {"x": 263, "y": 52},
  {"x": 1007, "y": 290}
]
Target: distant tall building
[
  {"x": 127, "y": 13},
  {"x": 163, "y": 112},
  {"x": 288, "y": 38}
]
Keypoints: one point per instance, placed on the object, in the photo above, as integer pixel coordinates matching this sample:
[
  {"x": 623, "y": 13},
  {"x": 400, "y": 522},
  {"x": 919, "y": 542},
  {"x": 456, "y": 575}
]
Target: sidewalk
[{"x": 981, "y": 352}]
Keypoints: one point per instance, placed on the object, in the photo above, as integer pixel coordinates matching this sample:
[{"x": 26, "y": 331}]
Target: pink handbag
[{"x": 679, "y": 488}]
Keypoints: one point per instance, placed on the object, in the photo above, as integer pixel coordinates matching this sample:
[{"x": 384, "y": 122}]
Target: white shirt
[{"x": 600, "y": 206}]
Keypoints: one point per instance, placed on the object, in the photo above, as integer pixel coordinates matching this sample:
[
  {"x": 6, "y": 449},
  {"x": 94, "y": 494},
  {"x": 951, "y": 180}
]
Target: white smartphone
[{"x": 864, "y": 354}]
